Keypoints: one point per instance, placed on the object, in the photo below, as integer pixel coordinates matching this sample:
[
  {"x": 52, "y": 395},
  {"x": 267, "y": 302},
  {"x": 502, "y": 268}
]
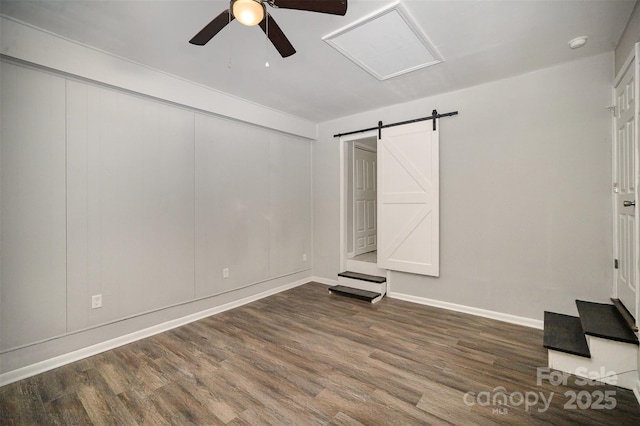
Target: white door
[
  {"x": 625, "y": 189},
  {"x": 408, "y": 199},
  {"x": 364, "y": 181}
]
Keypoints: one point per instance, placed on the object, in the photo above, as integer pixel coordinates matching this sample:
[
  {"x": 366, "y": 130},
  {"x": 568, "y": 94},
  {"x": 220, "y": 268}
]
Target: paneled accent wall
[
  {"x": 253, "y": 201},
  {"x": 232, "y": 216},
  {"x": 130, "y": 204},
  {"x": 289, "y": 204},
  {"x": 141, "y": 201},
  {"x": 32, "y": 214}
]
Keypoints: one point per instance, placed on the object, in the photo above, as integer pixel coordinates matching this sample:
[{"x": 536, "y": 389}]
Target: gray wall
[
  {"x": 105, "y": 192},
  {"x": 525, "y": 168},
  {"x": 32, "y": 209}
]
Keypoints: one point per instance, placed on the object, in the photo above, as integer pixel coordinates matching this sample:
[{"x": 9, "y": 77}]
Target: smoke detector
[{"x": 578, "y": 42}]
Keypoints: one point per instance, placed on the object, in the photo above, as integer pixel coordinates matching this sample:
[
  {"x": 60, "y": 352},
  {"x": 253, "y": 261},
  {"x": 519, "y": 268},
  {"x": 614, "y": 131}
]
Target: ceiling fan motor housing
[{"x": 253, "y": 12}]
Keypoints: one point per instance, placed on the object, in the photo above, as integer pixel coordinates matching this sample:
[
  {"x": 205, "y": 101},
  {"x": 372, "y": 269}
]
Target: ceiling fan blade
[
  {"x": 335, "y": 7},
  {"x": 277, "y": 37},
  {"x": 212, "y": 28}
]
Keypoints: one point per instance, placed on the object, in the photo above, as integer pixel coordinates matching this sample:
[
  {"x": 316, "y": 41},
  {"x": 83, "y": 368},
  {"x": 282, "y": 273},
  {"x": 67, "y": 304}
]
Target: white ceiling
[{"x": 480, "y": 41}]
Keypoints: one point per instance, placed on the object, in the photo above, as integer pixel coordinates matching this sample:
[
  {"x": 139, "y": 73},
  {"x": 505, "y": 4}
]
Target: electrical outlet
[
  {"x": 225, "y": 273},
  {"x": 304, "y": 257},
  {"x": 96, "y": 301}
]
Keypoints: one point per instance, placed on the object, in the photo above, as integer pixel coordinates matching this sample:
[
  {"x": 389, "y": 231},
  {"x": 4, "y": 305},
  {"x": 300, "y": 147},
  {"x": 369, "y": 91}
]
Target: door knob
[{"x": 629, "y": 203}]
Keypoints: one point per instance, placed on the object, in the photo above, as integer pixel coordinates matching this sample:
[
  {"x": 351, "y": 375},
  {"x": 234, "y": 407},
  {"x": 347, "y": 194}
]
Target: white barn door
[{"x": 408, "y": 199}]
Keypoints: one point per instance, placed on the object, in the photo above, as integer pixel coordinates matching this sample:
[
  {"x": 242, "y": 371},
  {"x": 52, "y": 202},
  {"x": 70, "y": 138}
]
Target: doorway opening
[
  {"x": 359, "y": 200},
  {"x": 362, "y": 200}
]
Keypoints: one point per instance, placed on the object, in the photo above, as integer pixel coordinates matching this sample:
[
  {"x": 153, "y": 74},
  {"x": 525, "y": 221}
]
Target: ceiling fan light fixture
[{"x": 248, "y": 12}]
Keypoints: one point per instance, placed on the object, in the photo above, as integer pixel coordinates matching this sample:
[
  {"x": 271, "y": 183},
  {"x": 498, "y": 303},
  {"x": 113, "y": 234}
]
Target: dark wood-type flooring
[{"x": 306, "y": 357}]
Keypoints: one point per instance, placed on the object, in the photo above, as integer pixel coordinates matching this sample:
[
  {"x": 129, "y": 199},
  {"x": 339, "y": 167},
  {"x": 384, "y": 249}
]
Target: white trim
[
  {"x": 513, "y": 319},
  {"x": 614, "y": 175},
  {"x": 141, "y": 314},
  {"x": 59, "y": 361},
  {"x": 636, "y": 133},
  {"x": 343, "y": 208},
  {"x": 350, "y": 236}
]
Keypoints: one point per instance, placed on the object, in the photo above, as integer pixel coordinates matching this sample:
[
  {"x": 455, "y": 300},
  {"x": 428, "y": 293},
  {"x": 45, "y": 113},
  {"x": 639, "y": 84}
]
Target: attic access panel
[{"x": 386, "y": 44}]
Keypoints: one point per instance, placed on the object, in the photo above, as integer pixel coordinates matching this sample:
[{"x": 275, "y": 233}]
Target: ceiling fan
[{"x": 253, "y": 12}]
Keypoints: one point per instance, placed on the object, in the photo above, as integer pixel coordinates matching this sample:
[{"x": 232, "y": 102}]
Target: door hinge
[{"x": 615, "y": 263}]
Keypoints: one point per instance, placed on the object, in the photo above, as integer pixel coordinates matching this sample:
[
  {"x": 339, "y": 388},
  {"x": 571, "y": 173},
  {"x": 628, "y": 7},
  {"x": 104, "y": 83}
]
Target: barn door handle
[{"x": 629, "y": 203}]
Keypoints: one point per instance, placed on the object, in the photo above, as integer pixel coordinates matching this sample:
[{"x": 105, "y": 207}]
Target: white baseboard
[
  {"x": 513, "y": 319},
  {"x": 59, "y": 361}
]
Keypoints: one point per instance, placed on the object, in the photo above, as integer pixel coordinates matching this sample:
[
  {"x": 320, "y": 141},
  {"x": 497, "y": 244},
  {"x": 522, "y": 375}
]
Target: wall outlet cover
[{"x": 96, "y": 301}]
